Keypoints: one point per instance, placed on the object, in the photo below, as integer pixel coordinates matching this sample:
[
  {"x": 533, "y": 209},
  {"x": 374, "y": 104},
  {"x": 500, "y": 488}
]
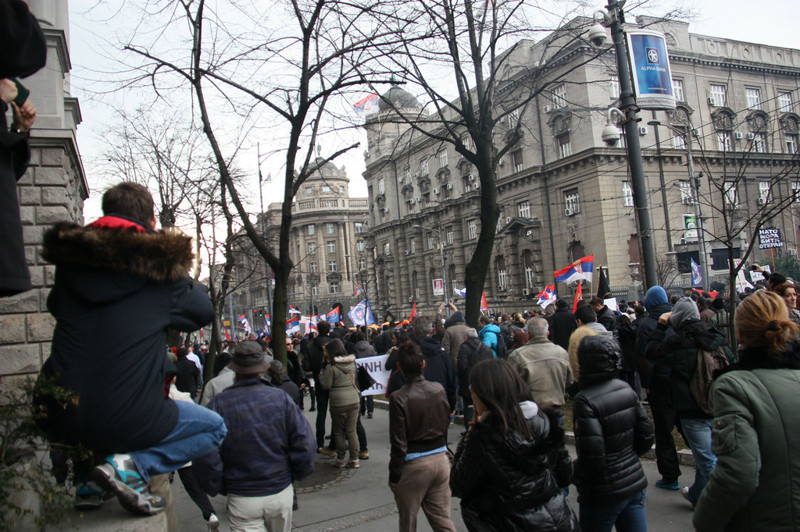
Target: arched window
[{"x": 527, "y": 263}]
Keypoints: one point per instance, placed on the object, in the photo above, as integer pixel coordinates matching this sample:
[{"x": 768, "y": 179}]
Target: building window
[
  {"x": 796, "y": 191},
  {"x": 572, "y": 201},
  {"x": 731, "y": 194},
  {"x": 331, "y": 265},
  {"x": 719, "y": 257},
  {"x": 524, "y": 209},
  {"x": 527, "y": 262},
  {"x": 785, "y": 102},
  {"x": 423, "y": 167},
  {"x": 313, "y": 267},
  {"x": 442, "y": 158},
  {"x": 516, "y": 159},
  {"x": 430, "y": 242},
  {"x": 387, "y": 249},
  {"x": 406, "y": 175},
  {"x": 449, "y": 237},
  {"x": 311, "y": 230},
  {"x": 764, "y": 192},
  {"x": 677, "y": 90},
  {"x": 724, "y": 142},
  {"x": 564, "y": 146},
  {"x": 362, "y": 264},
  {"x": 330, "y": 229},
  {"x": 381, "y": 186},
  {"x": 358, "y": 227},
  {"x": 679, "y": 139},
  {"x": 412, "y": 245},
  {"x": 502, "y": 274},
  {"x": 312, "y": 248},
  {"x": 613, "y": 86},
  {"x": 309, "y": 191},
  {"x": 315, "y": 289},
  {"x": 326, "y": 188},
  {"x": 333, "y": 288},
  {"x": 466, "y": 140},
  {"x": 331, "y": 246},
  {"x": 753, "y": 98},
  {"x": 360, "y": 245},
  {"x": 760, "y": 142},
  {"x": 791, "y": 143},
  {"x": 687, "y": 194},
  {"x": 560, "y": 96},
  {"x": 472, "y": 230},
  {"x": 513, "y": 118},
  {"x": 718, "y": 95},
  {"x": 627, "y": 194}
]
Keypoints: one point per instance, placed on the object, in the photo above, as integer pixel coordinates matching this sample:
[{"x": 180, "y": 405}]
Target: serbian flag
[
  {"x": 333, "y": 315},
  {"x": 578, "y": 297},
  {"x": 312, "y": 323},
  {"x": 580, "y": 270},
  {"x": 413, "y": 311},
  {"x": 547, "y": 296},
  {"x": 293, "y": 325},
  {"x": 484, "y": 304},
  {"x": 462, "y": 292},
  {"x": 293, "y": 310},
  {"x": 697, "y": 275},
  {"x": 359, "y": 288},
  {"x": 366, "y": 104},
  {"x": 227, "y": 335}
]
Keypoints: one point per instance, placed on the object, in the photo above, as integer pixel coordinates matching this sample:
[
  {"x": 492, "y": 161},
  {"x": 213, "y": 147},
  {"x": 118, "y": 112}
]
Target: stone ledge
[{"x": 111, "y": 517}]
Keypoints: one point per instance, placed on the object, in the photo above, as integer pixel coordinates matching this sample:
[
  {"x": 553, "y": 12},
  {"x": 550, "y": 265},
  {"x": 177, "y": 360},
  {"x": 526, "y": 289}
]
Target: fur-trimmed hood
[{"x": 90, "y": 258}]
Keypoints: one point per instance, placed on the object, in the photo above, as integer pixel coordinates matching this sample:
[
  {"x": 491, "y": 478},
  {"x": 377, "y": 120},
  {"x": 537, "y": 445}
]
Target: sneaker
[
  {"x": 353, "y": 464},
  {"x": 212, "y": 523},
  {"x": 685, "y": 493},
  {"x": 667, "y": 484},
  {"x": 326, "y": 452},
  {"x": 363, "y": 455},
  {"x": 88, "y": 496},
  {"x": 341, "y": 463},
  {"x": 312, "y": 409},
  {"x": 119, "y": 475},
  {"x": 369, "y": 415}
]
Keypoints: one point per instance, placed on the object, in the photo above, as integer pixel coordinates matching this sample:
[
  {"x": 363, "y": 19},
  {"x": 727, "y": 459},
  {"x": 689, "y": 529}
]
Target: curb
[{"x": 685, "y": 457}]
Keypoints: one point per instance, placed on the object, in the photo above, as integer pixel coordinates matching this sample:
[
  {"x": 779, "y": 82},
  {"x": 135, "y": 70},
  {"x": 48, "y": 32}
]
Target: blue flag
[{"x": 697, "y": 275}]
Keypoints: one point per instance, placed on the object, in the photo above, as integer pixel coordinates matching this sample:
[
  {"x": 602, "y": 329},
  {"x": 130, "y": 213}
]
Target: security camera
[
  {"x": 597, "y": 35},
  {"x": 610, "y": 135}
]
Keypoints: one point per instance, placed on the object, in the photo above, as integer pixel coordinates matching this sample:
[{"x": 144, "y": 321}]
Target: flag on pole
[
  {"x": 413, "y": 311},
  {"x": 697, "y": 275},
  {"x": 359, "y": 288},
  {"x": 361, "y": 314},
  {"x": 245, "y": 324},
  {"x": 462, "y": 292},
  {"x": 293, "y": 324},
  {"x": 484, "y": 304},
  {"x": 312, "y": 323},
  {"x": 333, "y": 316},
  {"x": 366, "y": 104},
  {"x": 293, "y": 310},
  {"x": 603, "y": 287},
  {"x": 578, "y": 297},
  {"x": 579, "y": 270},
  {"x": 547, "y": 296}
]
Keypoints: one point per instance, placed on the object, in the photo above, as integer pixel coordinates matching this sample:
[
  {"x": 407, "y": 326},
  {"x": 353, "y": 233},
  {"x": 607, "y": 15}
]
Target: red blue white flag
[
  {"x": 293, "y": 310},
  {"x": 547, "y": 296},
  {"x": 333, "y": 316},
  {"x": 293, "y": 325},
  {"x": 366, "y": 104},
  {"x": 580, "y": 270}
]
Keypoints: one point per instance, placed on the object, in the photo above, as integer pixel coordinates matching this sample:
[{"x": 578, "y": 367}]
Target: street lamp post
[
  {"x": 441, "y": 256},
  {"x": 267, "y": 270}
]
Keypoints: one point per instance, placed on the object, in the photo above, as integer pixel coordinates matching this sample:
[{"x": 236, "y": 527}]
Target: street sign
[{"x": 226, "y": 323}]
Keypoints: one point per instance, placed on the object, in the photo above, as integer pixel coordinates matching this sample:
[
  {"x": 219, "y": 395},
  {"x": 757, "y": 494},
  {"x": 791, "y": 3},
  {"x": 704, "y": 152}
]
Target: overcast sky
[{"x": 773, "y": 22}]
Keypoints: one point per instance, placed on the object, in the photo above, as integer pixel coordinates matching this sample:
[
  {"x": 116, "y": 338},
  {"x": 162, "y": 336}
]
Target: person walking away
[
  {"x": 562, "y": 323},
  {"x": 755, "y": 430},
  {"x": 454, "y": 334},
  {"x": 269, "y": 444},
  {"x": 419, "y": 471},
  {"x": 437, "y": 362},
  {"x": 188, "y": 378},
  {"x": 612, "y": 430},
  {"x": 680, "y": 353},
  {"x": 316, "y": 352},
  {"x": 363, "y": 349},
  {"x": 338, "y": 378},
  {"x": 512, "y": 463},
  {"x": 471, "y": 352},
  {"x": 490, "y": 335}
]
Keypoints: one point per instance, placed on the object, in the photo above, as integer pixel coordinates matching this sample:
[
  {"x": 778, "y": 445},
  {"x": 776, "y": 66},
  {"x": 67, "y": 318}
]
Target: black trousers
[
  {"x": 664, "y": 419},
  {"x": 195, "y": 492},
  {"x": 322, "y": 414}
]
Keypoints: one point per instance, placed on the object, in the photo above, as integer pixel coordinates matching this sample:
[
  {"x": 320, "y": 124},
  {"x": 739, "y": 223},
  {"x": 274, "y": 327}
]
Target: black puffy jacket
[
  {"x": 513, "y": 483},
  {"x": 611, "y": 427}
]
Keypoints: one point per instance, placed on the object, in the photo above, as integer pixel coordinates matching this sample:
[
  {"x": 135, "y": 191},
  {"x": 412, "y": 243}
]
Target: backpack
[
  {"x": 500, "y": 347},
  {"x": 700, "y": 385}
]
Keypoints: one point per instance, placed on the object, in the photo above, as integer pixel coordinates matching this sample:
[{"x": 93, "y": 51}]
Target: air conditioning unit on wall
[{"x": 526, "y": 291}]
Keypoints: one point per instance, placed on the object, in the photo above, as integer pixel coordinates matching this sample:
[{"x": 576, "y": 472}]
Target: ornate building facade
[{"x": 565, "y": 194}]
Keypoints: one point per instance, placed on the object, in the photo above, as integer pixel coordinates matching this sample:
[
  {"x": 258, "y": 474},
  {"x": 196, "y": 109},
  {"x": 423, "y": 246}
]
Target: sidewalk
[{"x": 360, "y": 500}]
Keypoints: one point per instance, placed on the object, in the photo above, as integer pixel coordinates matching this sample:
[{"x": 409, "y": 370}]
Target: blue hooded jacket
[{"x": 490, "y": 335}]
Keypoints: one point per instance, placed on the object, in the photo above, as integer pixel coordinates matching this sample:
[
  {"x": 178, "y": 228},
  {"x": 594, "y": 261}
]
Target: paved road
[{"x": 360, "y": 500}]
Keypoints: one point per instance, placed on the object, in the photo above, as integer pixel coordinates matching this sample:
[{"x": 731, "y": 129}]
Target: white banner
[{"x": 376, "y": 366}]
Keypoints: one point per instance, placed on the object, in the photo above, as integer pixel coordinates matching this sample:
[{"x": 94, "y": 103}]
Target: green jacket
[
  {"x": 339, "y": 379},
  {"x": 756, "y": 438}
]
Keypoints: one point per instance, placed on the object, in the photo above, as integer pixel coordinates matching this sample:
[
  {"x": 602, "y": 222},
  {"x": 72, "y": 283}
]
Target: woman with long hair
[
  {"x": 788, "y": 291},
  {"x": 755, "y": 430},
  {"x": 511, "y": 465},
  {"x": 339, "y": 378}
]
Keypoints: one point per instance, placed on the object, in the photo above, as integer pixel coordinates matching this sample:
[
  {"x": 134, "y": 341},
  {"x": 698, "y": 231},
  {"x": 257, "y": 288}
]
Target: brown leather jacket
[{"x": 419, "y": 415}]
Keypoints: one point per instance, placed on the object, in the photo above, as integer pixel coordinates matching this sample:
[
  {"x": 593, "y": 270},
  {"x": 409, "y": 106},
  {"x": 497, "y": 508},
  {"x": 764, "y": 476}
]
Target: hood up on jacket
[
  {"x": 684, "y": 311},
  {"x": 89, "y": 258},
  {"x": 456, "y": 317},
  {"x": 600, "y": 359}
]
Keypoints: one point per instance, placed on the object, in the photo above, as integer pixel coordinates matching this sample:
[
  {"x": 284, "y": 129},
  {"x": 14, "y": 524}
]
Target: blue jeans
[
  {"x": 698, "y": 435},
  {"x": 628, "y": 515},
  {"x": 197, "y": 432}
]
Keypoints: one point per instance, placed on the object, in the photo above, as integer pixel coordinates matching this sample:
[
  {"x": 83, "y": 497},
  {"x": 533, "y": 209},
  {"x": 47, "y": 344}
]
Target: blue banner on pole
[{"x": 652, "y": 79}]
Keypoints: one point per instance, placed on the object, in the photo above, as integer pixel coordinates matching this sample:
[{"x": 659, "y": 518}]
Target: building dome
[{"x": 399, "y": 98}]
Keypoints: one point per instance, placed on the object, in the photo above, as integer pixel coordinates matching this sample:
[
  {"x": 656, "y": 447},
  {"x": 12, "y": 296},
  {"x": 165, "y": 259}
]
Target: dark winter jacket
[
  {"x": 562, "y": 323},
  {"x": 363, "y": 349},
  {"x": 679, "y": 352},
  {"x": 116, "y": 293},
  {"x": 315, "y": 355},
  {"x": 290, "y": 389},
  {"x": 454, "y": 335},
  {"x": 269, "y": 442},
  {"x": 438, "y": 367},
  {"x": 607, "y": 318},
  {"x": 187, "y": 379},
  {"x": 470, "y": 353},
  {"x": 512, "y": 482},
  {"x": 23, "y": 52},
  {"x": 611, "y": 427},
  {"x": 645, "y": 326}
]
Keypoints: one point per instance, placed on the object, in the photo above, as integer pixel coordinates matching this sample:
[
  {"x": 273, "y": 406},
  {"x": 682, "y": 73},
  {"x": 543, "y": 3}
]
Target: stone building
[
  {"x": 565, "y": 194},
  {"x": 52, "y": 190},
  {"x": 328, "y": 248}
]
